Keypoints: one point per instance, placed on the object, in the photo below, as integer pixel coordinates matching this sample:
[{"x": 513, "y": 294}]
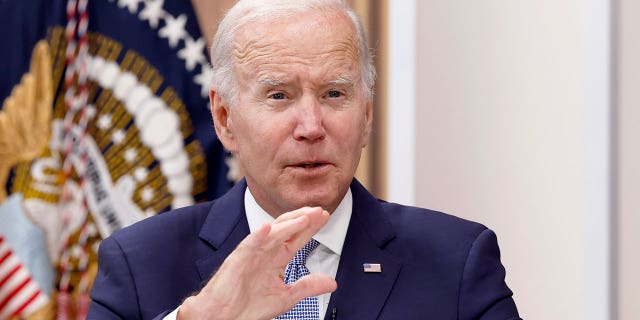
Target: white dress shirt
[{"x": 325, "y": 258}]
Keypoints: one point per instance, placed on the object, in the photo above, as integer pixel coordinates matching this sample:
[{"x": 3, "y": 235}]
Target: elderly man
[{"x": 299, "y": 238}]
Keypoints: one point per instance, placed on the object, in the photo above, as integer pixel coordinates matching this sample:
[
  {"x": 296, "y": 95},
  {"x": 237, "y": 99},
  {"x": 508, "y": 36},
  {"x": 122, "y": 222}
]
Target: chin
[
  {"x": 325, "y": 197},
  {"x": 310, "y": 201}
]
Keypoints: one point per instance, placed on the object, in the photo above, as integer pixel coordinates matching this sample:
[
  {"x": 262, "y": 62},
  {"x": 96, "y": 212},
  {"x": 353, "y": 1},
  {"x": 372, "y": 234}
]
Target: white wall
[
  {"x": 401, "y": 93},
  {"x": 511, "y": 130},
  {"x": 628, "y": 116}
]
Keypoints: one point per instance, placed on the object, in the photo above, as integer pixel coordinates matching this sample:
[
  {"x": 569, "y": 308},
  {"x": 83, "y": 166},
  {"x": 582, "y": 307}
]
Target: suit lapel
[
  {"x": 361, "y": 295},
  {"x": 224, "y": 228}
]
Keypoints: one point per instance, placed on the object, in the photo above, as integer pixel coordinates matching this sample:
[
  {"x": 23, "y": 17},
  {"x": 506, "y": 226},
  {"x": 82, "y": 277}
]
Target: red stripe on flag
[
  {"x": 5, "y": 256},
  {"x": 8, "y": 276},
  {"x": 26, "y": 304},
  {"x": 14, "y": 293}
]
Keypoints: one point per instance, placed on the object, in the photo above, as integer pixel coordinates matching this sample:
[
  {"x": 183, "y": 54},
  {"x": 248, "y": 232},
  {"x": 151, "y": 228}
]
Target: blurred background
[{"x": 522, "y": 116}]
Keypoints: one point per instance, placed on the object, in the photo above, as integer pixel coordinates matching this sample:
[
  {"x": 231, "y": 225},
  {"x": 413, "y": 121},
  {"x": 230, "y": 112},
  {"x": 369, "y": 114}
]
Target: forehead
[{"x": 315, "y": 40}]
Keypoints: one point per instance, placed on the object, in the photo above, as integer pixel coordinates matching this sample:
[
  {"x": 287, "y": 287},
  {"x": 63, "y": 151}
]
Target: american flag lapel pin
[{"x": 372, "y": 267}]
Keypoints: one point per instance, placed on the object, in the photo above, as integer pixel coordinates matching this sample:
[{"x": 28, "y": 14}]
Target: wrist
[{"x": 194, "y": 308}]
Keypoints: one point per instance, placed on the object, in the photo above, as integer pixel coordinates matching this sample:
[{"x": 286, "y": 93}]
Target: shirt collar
[{"x": 331, "y": 235}]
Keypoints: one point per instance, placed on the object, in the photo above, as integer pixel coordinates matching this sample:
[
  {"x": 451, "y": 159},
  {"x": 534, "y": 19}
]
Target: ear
[
  {"x": 368, "y": 123},
  {"x": 222, "y": 120}
]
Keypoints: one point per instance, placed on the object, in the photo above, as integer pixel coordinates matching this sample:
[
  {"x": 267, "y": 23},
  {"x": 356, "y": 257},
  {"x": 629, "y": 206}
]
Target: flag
[
  {"x": 108, "y": 123},
  {"x": 26, "y": 276},
  {"x": 372, "y": 267}
]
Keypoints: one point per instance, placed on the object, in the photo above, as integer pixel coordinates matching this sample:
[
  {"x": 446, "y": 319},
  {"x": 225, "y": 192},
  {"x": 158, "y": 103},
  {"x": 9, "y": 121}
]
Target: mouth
[
  {"x": 309, "y": 169},
  {"x": 309, "y": 165},
  {"x": 306, "y": 165}
]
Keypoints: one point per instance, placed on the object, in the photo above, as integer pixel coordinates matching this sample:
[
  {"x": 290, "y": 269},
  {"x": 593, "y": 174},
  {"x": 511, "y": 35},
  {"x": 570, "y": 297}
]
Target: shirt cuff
[{"x": 173, "y": 315}]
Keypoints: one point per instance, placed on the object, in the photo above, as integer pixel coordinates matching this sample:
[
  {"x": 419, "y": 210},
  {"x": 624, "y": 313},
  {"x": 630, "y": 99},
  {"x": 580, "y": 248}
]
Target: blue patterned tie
[{"x": 307, "y": 308}]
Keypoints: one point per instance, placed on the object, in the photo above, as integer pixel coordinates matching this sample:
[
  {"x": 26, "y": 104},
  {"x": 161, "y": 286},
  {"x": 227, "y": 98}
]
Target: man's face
[{"x": 301, "y": 117}]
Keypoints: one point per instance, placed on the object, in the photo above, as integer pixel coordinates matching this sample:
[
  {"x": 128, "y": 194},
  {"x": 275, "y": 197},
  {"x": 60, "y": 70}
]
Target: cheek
[
  {"x": 259, "y": 136},
  {"x": 349, "y": 134}
]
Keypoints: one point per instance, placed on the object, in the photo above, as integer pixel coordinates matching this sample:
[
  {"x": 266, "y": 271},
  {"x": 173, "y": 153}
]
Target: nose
[{"x": 309, "y": 125}]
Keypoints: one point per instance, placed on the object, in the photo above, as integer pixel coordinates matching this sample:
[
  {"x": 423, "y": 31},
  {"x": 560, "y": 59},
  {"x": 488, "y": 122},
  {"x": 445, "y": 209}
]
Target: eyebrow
[
  {"x": 342, "y": 80},
  {"x": 271, "y": 82}
]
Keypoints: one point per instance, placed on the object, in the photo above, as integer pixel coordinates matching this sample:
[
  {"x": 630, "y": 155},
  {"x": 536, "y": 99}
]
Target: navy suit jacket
[{"x": 434, "y": 265}]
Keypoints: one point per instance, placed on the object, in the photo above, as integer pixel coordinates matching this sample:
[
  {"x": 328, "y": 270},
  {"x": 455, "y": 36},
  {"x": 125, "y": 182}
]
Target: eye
[
  {"x": 277, "y": 96},
  {"x": 334, "y": 94}
]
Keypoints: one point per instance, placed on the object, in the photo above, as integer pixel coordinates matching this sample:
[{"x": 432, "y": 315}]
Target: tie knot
[{"x": 302, "y": 254}]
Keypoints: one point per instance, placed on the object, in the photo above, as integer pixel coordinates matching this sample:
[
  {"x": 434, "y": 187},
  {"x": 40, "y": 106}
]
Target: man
[{"x": 291, "y": 98}]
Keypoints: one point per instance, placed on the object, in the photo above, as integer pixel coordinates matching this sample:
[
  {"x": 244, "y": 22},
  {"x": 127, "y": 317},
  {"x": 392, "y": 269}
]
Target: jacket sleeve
[
  {"x": 483, "y": 292},
  {"x": 114, "y": 294}
]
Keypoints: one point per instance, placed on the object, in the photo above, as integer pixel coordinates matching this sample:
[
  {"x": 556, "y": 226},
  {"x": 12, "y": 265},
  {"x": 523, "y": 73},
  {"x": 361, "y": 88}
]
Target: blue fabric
[
  {"x": 307, "y": 308},
  {"x": 23, "y": 24},
  {"x": 434, "y": 266}
]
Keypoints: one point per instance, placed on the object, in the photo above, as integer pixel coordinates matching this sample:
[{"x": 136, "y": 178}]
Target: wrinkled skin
[
  {"x": 301, "y": 117},
  {"x": 297, "y": 129}
]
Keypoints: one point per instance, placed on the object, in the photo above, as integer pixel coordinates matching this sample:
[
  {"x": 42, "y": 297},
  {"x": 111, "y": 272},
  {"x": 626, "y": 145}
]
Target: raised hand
[{"x": 249, "y": 284}]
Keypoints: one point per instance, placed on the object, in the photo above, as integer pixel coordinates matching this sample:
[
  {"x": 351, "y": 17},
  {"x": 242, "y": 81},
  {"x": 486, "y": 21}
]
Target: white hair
[{"x": 245, "y": 11}]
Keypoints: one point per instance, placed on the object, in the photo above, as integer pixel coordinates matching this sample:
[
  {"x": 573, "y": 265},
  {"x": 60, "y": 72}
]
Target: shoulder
[
  {"x": 414, "y": 230},
  {"x": 165, "y": 227},
  {"x": 429, "y": 233},
  {"x": 134, "y": 263},
  {"x": 409, "y": 218}
]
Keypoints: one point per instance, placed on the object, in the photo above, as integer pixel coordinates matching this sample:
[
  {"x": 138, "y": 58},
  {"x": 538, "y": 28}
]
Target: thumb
[{"x": 310, "y": 286}]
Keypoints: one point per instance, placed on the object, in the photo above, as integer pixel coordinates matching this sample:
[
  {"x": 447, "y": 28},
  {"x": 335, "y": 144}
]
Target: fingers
[
  {"x": 304, "y": 221},
  {"x": 296, "y": 213},
  {"x": 286, "y": 235},
  {"x": 251, "y": 245},
  {"x": 310, "y": 286},
  {"x": 294, "y": 229},
  {"x": 258, "y": 263},
  {"x": 297, "y": 238},
  {"x": 258, "y": 236},
  {"x": 271, "y": 236}
]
